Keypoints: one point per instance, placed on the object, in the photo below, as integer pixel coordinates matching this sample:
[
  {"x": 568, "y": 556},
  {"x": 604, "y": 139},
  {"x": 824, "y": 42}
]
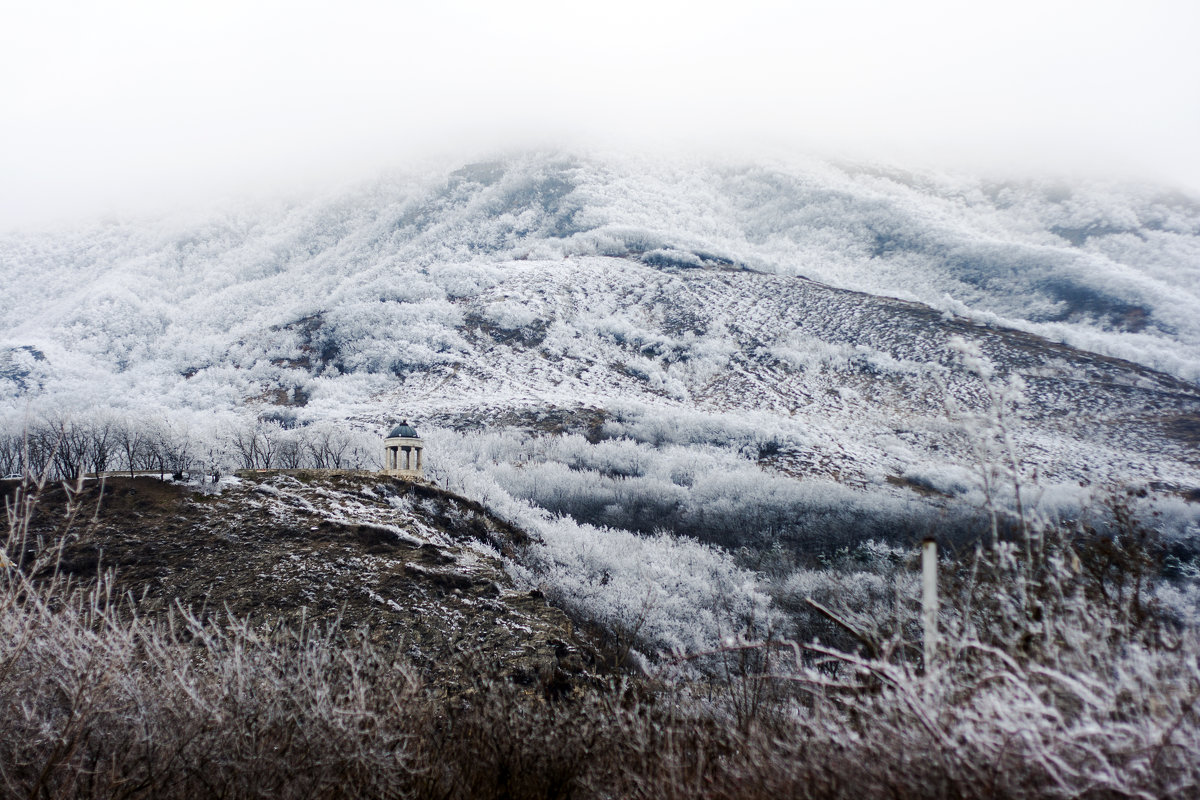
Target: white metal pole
[{"x": 929, "y": 598}]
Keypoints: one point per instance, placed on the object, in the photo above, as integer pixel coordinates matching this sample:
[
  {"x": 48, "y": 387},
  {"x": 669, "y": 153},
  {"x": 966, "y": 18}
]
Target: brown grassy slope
[{"x": 408, "y": 562}]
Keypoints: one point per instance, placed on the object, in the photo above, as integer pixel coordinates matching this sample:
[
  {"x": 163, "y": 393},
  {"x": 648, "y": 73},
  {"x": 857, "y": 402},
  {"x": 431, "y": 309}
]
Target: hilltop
[{"x": 420, "y": 570}]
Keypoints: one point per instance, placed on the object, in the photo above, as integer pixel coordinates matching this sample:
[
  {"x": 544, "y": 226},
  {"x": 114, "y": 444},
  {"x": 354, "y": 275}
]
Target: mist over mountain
[{"x": 1109, "y": 269}]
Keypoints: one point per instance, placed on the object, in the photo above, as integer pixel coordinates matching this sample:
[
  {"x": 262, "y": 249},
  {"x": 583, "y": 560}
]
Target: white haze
[{"x": 131, "y": 106}]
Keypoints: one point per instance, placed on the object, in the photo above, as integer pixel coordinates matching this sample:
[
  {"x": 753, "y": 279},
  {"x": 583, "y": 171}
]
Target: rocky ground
[{"x": 402, "y": 560}]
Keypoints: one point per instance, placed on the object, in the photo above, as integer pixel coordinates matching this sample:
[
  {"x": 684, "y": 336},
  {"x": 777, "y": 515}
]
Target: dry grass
[{"x": 1043, "y": 688}]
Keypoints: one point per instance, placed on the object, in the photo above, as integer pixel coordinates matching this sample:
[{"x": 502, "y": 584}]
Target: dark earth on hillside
[{"x": 416, "y": 567}]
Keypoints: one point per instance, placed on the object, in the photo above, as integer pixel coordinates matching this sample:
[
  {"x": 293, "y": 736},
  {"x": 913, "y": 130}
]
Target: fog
[{"x": 137, "y": 106}]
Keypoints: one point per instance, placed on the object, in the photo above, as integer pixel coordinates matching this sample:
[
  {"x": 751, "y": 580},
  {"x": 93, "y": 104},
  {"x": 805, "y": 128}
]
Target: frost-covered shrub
[
  {"x": 652, "y": 593},
  {"x": 376, "y": 336},
  {"x": 1056, "y": 671},
  {"x": 657, "y": 594},
  {"x": 508, "y": 315},
  {"x": 700, "y": 491}
]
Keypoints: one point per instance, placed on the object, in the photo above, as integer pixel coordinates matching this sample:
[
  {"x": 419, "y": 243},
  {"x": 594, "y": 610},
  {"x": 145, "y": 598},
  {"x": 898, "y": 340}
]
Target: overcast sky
[{"x": 130, "y": 105}]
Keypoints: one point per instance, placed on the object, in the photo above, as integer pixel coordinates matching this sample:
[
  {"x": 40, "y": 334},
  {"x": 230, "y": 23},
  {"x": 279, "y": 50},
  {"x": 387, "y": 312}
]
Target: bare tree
[
  {"x": 258, "y": 444},
  {"x": 11, "y": 447},
  {"x": 177, "y": 446},
  {"x": 243, "y": 441},
  {"x": 213, "y": 464},
  {"x": 37, "y": 449},
  {"x": 67, "y": 443},
  {"x": 154, "y": 451},
  {"x": 292, "y": 450},
  {"x": 268, "y": 436},
  {"x": 101, "y": 438},
  {"x": 328, "y": 447},
  {"x": 131, "y": 443}
]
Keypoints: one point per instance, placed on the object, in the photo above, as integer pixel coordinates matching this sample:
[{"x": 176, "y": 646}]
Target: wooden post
[{"x": 929, "y": 599}]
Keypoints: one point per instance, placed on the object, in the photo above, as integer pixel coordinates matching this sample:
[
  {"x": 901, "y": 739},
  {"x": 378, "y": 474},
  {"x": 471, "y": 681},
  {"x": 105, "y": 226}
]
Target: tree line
[{"x": 66, "y": 447}]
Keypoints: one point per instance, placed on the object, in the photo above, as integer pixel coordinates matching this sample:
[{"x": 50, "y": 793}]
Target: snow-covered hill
[
  {"x": 565, "y": 282},
  {"x": 795, "y": 356},
  {"x": 1111, "y": 269}
]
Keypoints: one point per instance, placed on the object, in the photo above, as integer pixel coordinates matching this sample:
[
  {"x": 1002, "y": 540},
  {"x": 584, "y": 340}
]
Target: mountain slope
[
  {"x": 1109, "y": 268},
  {"x": 564, "y": 281},
  {"x": 637, "y": 361}
]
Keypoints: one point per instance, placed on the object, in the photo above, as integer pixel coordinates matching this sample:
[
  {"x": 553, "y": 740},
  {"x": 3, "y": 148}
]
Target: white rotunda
[{"x": 402, "y": 451}]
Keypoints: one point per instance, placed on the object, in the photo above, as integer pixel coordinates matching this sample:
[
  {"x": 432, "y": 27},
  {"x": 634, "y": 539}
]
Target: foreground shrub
[{"x": 97, "y": 703}]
